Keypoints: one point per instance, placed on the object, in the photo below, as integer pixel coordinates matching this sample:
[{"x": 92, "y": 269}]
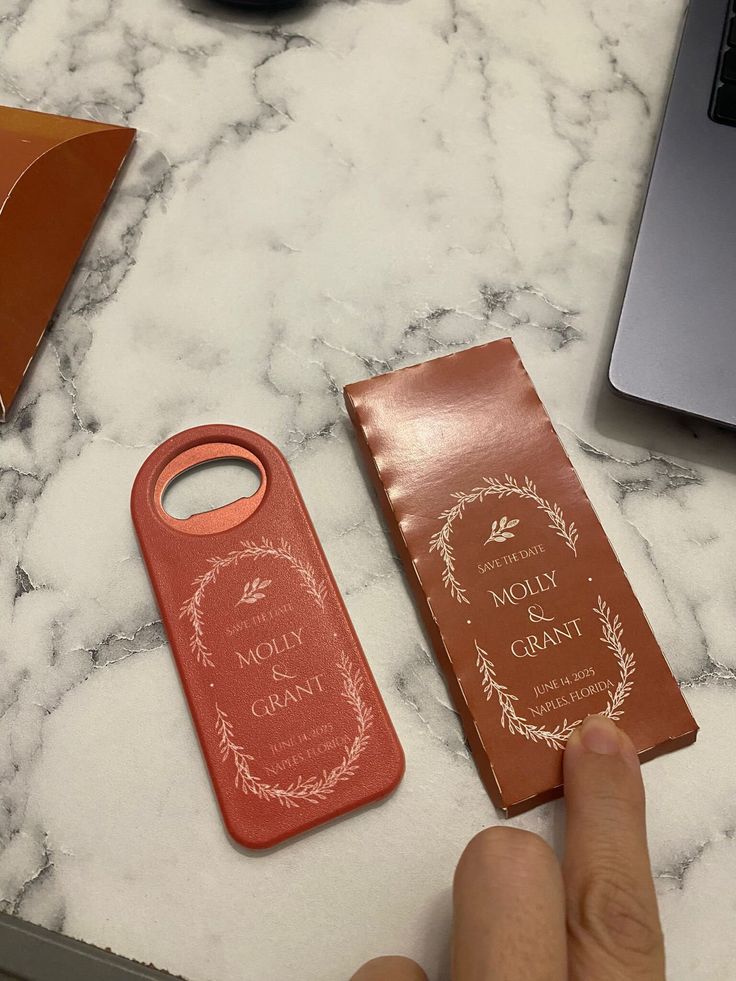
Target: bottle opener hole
[{"x": 210, "y": 485}]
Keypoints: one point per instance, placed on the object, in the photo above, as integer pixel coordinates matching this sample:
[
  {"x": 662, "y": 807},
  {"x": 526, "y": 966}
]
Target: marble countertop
[{"x": 313, "y": 198}]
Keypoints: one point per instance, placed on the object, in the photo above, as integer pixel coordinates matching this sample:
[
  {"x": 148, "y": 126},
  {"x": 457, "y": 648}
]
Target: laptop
[{"x": 676, "y": 339}]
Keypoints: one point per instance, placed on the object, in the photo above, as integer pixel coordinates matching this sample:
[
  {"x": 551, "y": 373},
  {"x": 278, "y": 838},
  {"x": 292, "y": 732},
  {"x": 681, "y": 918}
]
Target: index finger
[{"x": 612, "y": 916}]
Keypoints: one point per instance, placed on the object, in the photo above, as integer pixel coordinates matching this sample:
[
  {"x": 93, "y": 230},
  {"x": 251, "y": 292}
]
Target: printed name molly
[{"x": 267, "y": 648}]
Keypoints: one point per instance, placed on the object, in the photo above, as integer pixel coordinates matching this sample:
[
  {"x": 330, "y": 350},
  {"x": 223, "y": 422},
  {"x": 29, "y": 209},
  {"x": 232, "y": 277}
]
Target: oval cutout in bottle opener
[{"x": 293, "y": 729}]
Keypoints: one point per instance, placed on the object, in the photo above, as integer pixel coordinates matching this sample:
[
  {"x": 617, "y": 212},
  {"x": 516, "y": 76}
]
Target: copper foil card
[{"x": 530, "y": 613}]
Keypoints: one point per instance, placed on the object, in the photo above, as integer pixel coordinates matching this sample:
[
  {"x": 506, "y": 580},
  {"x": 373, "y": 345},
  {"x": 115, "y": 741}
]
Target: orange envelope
[{"x": 55, "y": 174}]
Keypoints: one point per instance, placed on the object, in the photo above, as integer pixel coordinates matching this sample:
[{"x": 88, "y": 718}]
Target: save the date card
[{"x": 531, "y": 615}]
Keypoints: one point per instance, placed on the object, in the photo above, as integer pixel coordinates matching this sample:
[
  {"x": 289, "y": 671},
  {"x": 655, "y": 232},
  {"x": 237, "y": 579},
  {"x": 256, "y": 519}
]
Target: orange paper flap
[{"x": 55, "y": 174}]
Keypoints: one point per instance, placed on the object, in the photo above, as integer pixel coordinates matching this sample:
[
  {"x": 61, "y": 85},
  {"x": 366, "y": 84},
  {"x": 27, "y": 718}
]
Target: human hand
[{"x": 519, "y": 916}]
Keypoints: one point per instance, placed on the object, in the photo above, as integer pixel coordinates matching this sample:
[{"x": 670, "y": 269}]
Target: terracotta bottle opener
[{"x": 292, "y": 727}]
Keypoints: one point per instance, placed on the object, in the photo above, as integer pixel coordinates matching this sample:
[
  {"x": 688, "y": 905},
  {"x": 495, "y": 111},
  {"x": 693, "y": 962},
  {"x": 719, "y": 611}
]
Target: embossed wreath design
[
  {"x": 441, "y": 540},
  {"x": 556, "y": 738},
  {"x": 192, "y": 607},
  {"x": 312, "y": 789}
]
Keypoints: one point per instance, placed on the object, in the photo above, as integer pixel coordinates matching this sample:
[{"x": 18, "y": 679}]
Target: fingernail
[{"x": 599, "y": 735}]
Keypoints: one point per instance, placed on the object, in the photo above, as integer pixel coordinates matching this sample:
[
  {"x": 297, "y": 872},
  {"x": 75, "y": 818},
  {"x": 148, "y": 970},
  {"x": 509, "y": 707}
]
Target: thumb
[{"x": 390, "y": 969}]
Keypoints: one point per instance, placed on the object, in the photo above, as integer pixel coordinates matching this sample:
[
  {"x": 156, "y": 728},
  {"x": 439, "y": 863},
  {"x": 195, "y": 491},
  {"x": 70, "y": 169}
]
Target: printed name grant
[
  {"x": 517, "y": 592},
  {"x": 535, "y": 644},
  {"x": 278, "y": 701}
]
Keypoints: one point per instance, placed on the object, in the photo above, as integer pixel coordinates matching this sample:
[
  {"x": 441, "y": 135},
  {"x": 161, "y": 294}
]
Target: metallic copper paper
[
  {"x": 55, "y": 174},
  {"x": 531, "y": 616}
]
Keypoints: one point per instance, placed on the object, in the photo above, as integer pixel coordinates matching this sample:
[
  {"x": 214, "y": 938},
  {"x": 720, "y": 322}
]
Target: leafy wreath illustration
[
  {"x": 312, "y": 789},
  {"x": 612, "y": 629},
  {"x": 441, "y": 540},
  {"x": 283, "y": 551},
  {"x": 556, "y": 738}
]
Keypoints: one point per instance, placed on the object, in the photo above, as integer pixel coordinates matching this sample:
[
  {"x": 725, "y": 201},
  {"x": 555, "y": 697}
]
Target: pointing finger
[{"x": 613, "y": 922}]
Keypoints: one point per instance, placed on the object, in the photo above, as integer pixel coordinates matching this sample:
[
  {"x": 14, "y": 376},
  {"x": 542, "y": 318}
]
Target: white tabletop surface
[{"x": 315, "y": 197}]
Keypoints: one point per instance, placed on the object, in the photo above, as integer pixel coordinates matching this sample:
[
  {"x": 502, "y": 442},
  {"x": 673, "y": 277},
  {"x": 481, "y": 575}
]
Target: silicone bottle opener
[{"x": 292, "y": 727}]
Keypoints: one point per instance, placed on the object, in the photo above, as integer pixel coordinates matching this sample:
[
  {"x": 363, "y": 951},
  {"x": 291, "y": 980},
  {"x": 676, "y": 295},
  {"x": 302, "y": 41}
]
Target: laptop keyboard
[{"x": 724, "y": 100}]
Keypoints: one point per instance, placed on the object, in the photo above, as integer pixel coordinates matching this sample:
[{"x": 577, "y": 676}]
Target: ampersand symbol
[
  {"x": 280, "y": 673},
  {"x": 536, "y": 613}
]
